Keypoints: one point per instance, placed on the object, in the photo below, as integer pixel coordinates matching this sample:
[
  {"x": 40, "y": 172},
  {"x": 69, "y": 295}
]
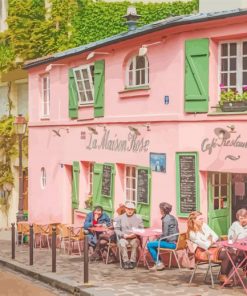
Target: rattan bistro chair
[{"x": 181, "y": 245}]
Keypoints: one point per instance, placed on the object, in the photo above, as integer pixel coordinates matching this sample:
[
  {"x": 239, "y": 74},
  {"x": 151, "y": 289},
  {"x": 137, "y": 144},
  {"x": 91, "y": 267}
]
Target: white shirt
[
  {"x": 200, "y": 238},
  {"x": 237, "y": 231}
]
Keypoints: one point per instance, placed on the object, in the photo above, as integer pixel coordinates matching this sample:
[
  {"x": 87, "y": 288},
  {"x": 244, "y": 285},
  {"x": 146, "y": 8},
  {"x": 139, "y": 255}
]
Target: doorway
[
  {"x": 219, "y": 202},
  {"x": 239, "y": 193}
]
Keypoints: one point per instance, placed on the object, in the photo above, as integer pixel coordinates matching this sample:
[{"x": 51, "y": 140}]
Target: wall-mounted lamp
[
  {"x": 93, "y": 53},
  {"x": 104, "y": 127},
  {"x": 147, "y": 125},
  {"x": 58, "y": 131},
  {"x": 222, "y": 133},
  {"x": 50, "y": 66},
  {"x": 134, "y": 129},
  {"x": 144, "y": 48},
  {"x": 232, "y": 128},
  {"x": 93, "y": 130}
]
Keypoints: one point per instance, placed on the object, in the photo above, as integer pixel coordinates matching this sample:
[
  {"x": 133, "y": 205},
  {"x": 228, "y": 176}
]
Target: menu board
[
  {"x": 142, "y": 186},
  {"x": 106, "y": 180},
  {"x": 188, "y": 190}
]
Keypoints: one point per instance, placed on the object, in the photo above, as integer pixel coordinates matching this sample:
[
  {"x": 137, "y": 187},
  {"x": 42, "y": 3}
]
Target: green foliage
[
  {"x": 7, "y": 149},
  {"x": 33, "y": 32},
  {"x": 232, "y": 96}
]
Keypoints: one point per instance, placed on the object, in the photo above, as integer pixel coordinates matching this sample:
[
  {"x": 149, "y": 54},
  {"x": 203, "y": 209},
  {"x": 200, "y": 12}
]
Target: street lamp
[{"x": 20, "y": 126}]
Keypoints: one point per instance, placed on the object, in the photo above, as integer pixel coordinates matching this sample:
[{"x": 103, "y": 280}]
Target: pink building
[{"x": 136, "y": 117}]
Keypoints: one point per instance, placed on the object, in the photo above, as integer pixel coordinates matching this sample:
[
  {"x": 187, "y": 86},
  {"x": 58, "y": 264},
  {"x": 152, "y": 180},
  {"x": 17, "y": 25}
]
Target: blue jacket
[{"x": 104, "y": 218}]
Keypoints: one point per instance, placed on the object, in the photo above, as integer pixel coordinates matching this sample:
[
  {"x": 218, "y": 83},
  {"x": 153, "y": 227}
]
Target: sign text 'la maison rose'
[{"x": 133, "y": 143}]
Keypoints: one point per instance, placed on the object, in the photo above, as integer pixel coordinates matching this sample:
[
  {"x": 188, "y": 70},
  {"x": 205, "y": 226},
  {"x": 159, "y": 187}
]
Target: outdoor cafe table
[
  {"x": 240, "y": 247},
  {"x": 145, "y": 235}
]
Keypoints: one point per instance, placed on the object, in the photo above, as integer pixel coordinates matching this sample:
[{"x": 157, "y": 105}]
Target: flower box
[{"x": 234, "y": 106}]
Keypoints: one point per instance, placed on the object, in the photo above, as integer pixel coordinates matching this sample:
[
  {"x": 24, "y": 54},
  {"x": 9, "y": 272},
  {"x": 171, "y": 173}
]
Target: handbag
[{"x": 204, "y": 255}]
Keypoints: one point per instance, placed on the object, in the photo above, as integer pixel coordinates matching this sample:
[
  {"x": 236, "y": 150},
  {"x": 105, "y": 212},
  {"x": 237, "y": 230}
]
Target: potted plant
[
  {"x": 89, "y": 202},
  {"x": 232, "y": 101}
]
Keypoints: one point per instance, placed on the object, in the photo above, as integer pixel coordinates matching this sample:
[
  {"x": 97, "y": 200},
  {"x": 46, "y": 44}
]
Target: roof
[{"x": 156, "y": 26}]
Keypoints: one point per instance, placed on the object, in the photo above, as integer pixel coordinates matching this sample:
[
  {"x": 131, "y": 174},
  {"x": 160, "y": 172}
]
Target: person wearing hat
[
  {"x": 124, "y": 231},
  {"x": 169, "y": 235}
]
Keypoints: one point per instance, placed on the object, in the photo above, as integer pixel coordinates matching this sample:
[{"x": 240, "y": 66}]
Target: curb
[{"x": 47, "y": 278}]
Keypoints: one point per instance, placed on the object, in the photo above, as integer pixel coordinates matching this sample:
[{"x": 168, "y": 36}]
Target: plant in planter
[
  {"x": 232, "y": 101},
  {"x": 89, "y": 202}
]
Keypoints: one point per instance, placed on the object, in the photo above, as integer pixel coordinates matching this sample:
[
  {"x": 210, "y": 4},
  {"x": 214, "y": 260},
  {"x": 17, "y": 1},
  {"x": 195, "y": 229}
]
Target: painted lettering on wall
[
  {"x": 223, "y": 138},
  {"x": 133, "y": 143}
]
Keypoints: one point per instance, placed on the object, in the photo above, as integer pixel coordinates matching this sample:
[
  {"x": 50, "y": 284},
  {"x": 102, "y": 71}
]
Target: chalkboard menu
[
  {"x": 142, "y": 186},
  {"x": 187, "y": 183},
  {"x": 106, "y": 180}
]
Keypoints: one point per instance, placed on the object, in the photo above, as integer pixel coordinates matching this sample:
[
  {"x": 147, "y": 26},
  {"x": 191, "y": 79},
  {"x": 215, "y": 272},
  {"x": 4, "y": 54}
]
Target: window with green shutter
[
  {"x": 73, "y": 96},
  {"x": 99, "y": 88},
  {"x": 196, "y": 75},
  {"x": 75, "y": 184}
]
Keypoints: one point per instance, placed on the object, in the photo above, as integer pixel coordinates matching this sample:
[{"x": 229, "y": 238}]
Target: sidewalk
[{"x": 107, "y": 280}]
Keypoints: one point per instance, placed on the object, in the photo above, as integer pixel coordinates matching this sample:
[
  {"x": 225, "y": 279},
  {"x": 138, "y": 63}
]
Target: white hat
[{"x": 129, "y": 205}]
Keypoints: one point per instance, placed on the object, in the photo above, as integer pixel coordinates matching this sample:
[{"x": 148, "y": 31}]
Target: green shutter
[
  {"x": 98, "y": 198},
  {"x": 143, "y": 209},
  {"x": 73, "y": 96},
  {"x": 196, "y": 75},
  {"x": 99, "y": 88},
  {"x": 75, "y": 184}
]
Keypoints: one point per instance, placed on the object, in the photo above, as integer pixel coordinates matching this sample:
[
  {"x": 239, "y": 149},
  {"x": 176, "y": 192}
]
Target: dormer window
[
  {"x": 137, "y": 72},
  {"x": 84, "y": 78}
]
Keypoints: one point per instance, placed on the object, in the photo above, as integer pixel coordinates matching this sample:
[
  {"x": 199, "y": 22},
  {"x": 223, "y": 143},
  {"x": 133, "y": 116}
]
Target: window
[
  {"x": 233, "y": 66},
  {"x": 43, "y": 178},
  {"x": 90, "y": 179},
  {"x": 138, "y": 72},
  {"x": 130, "y": 183},
  {"x": 22, "y": 98},
  {"x": 45, "y": 104},
  {"x": 220, "y": 190},
  {"x": 84, "y": 78},
  {"x": 3, "y": 15},
  {"x": 4, "y": 101}
]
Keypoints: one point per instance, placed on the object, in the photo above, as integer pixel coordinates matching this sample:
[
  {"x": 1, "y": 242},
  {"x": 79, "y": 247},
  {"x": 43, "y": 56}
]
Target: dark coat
[{"x": 169, "y": 227}]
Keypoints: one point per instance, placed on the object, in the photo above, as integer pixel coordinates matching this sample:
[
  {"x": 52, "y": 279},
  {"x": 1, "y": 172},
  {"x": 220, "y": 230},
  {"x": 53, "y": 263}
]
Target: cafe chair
[
  {"x": 76, "y": 236},
  {"x": 211, "y": 263},
  {"x": 64, "y": 237},
  {"x": 181, "y": 245},
  {"x": 22, "y": 231}
]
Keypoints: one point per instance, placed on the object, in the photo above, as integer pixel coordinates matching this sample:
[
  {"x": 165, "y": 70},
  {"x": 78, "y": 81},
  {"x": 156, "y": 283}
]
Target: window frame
[
  {"x": 91, "y": 82},
  {"x": 131, "y": 189},
  {"x": 127, "y": 72},
  {"x": 48, "y": 96},
  {"x": 239, "y": 65}
]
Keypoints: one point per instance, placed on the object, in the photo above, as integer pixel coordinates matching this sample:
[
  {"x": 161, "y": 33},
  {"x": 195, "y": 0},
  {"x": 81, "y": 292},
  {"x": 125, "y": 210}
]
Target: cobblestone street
[{"x": 107, "y": 280}]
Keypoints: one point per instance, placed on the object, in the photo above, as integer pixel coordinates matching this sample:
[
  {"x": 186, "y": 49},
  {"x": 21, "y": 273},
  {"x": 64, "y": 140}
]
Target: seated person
[
  {"x": 204, "y": 237},
  {"x": 238, "y": 229},
  {"x": 124, "y": 231},
  {"x": 170, "y": 229},
  {"x": 95, "y": 219}
]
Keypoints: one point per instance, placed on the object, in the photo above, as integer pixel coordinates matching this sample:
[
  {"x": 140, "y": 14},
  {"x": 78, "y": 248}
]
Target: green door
[
  {"x": 103, "y": 186},
  {"x": 219, "y": 203}
]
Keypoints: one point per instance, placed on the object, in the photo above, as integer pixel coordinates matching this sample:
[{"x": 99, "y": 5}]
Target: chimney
[
  {"x": 206, "y": 6},
  {"x": 131, "y": 18}
]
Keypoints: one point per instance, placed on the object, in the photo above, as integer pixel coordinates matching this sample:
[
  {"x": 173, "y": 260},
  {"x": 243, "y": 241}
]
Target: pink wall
[{"x": 171, "y": 129}]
